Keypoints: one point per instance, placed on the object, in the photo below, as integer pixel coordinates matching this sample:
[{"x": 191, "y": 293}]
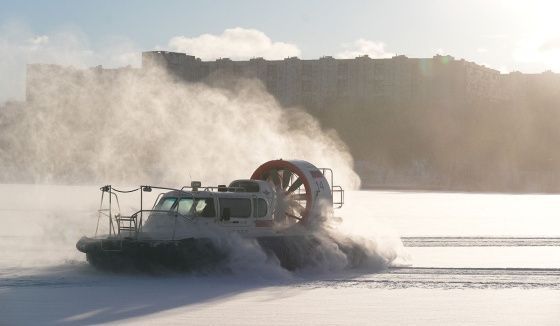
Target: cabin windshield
[
  {"x": 202, "y": 207},
  {"x": 165, "y": 204},
  {"x": 184, "y": 206}
]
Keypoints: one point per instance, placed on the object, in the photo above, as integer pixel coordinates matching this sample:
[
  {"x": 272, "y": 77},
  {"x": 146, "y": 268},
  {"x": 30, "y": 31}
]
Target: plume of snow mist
[
  {"x": 330, "y": 245},
  {"x": 343, "y": 243},
  {"x": 132, "y": 126},
  {"x": 246, "y": 257}
]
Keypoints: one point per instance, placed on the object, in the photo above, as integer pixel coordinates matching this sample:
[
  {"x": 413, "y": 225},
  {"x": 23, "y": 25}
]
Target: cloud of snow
[
  {"x": 20, "y": 46},
  {"x": 234, "y": 43},
  {"x": 141, "y": 126},
  {"x": 360, "y": 47}
]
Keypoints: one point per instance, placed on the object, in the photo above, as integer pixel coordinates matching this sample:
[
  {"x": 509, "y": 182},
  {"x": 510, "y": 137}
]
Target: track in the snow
[
  {"x": 454, "y": 278},
  {"x": 480, "y": 241}
]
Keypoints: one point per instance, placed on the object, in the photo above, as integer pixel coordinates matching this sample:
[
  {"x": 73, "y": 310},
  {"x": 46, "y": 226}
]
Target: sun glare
[{"x": 538, "y": 38}]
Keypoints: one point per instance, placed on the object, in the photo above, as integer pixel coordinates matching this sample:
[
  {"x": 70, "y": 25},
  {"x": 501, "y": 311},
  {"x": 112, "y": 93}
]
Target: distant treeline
[{"x": 474, "y": 145}]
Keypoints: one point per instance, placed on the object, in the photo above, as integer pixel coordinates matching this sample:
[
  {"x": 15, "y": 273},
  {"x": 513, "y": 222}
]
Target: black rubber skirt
[{"x": 191, "y": 254}]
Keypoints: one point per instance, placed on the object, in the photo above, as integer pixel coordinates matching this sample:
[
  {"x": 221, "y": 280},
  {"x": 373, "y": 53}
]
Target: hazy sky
[{"x": 505, "y": 35}]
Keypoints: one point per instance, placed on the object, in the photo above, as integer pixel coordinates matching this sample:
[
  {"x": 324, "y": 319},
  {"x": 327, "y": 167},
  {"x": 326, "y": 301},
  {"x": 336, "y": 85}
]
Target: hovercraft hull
[{"x": 191, "y": 254}]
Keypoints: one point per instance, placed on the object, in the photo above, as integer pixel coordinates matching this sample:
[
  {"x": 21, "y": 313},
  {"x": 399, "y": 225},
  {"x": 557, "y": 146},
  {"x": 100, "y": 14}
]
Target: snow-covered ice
[{"x": 485, "y": 263}]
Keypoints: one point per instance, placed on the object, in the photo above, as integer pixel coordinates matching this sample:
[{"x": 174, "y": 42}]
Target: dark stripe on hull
[
  {"x": 131, "y": 255},
  {"x": 193, "y": 254}
]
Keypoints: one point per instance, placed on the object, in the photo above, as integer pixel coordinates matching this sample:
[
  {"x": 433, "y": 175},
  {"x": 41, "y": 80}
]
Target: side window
[
  {"x": 165, "y": 204},
  {"x": 238, "y": 207},
  {"x": 204, "y": 207},
  {"x": 261, "y": 208},
  {"x": 184, "y": 206}
]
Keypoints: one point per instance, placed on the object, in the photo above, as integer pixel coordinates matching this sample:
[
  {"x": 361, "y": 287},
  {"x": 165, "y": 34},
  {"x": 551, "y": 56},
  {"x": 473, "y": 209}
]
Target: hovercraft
[{"x": 190, "y": 228}]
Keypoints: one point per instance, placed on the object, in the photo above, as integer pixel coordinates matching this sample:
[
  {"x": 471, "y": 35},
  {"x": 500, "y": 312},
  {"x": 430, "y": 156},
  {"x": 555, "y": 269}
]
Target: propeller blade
[
  {"x": 274, "y": 176},
  {"x": 293, "y": 216},
  {"x": 297, "y": 207},
  {"x": 301, "y": 196},
  {"x": 286, "y": 177},
  {"x": 295, "y": 185}
]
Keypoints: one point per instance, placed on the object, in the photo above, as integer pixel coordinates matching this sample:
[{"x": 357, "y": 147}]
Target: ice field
[{"x": 491, "y": 259}]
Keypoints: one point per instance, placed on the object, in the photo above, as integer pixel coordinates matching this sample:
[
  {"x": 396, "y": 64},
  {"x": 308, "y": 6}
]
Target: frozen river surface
[{"x": 467, "y": 259}]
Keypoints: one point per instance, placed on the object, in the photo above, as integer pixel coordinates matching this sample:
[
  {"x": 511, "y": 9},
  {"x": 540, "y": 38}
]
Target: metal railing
[
  {"x": 120, "y": 224},
  {"x": 336, "y": 191},
  {"x": 132, "y": 224},
  {"x": 110, "y": 208}
]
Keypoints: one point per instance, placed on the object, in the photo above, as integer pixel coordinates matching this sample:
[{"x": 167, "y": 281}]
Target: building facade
[{"x": 312, "y": 83}]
